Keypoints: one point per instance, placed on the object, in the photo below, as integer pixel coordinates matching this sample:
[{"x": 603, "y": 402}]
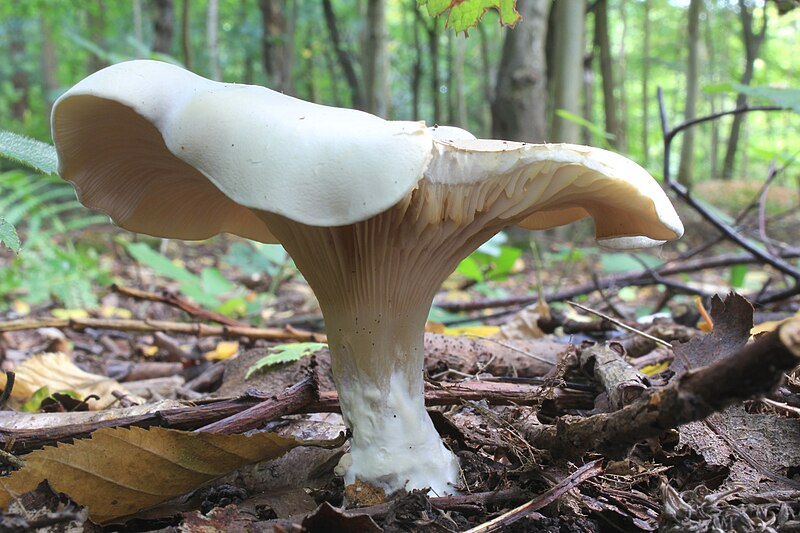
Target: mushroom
[{"x": 376, "y": 214}]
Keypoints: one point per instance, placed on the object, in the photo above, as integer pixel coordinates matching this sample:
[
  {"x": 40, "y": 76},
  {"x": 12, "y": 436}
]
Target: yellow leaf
[
  {"x": 57, "y": 372},
  {"x": 434, "y": 327},
  {"x": 149, "y": 351},
  {"x": 223, "y": 350},
  {"x": 109, "y": 311},
  {"x": 478, "y": 331},
  {"x": 68, "y": 314},
  {"x": 21, "y": 308},
  {"x": 652, "y": 370},
  {"x": 120, "y": 471}
]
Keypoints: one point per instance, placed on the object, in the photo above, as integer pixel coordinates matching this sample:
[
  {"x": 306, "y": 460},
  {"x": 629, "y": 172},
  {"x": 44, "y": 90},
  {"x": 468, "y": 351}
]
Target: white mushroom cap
[
  {"x": 166, "y": 152},
  {"x": 549, "y": 185}
]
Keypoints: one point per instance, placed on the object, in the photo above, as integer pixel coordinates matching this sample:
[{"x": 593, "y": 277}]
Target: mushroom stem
[{"x": 375, "y": 281}]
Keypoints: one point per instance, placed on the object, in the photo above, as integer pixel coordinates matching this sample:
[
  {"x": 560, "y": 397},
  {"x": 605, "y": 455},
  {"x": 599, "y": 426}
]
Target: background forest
[{"x": 530, "y": 327}]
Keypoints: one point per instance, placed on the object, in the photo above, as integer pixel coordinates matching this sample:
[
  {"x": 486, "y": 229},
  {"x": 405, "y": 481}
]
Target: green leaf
[
  {"x": 597, "y": 132},
  {"x": 160, "y": 264},
  {"x": 30, "y": 152},
  {"x": 502, "y": 265},
  {"x": 623, "y": 262},
  {"x": 8, "y": 236},
  {"x": 789, "y": 98},
  {"x": 469, "y": 268},
  {"x": 737, "y": 274},
  {"x": 34, "y": 403},
  {"x": 464, "y": 14},
  {"x": 214, "y": 282},
  {"x": 285, "y": 353}
]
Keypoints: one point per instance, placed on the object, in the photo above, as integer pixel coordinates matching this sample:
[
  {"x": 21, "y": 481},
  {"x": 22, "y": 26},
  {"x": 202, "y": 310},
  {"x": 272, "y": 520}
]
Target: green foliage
[
  {"x": 8, "y": 236},
  {"x": 256, "y": 258},
  {"x": 35, "y": 154},
  {"x": 618, "y": 262},
  {"x": 492, "y": 261},
  {"x": 45, "y": 209},
  {"x": 209, "y": 288},
  {"x": 779, "y": 96},
  {"x": 737, "y": 275},
  {"x": 599, "y": 135},
  {"x": 464, "y": 14},
  {"x": 285, "y": 353}
]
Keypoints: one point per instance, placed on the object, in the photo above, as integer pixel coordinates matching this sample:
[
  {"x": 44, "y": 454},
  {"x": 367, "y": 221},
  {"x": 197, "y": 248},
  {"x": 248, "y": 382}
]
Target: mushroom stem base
[{"x": 395, "y": 445}]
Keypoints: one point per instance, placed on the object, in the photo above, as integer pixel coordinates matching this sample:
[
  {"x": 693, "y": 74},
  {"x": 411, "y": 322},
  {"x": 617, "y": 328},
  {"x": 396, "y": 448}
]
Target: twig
[
  {"x": 752, "y": 371},
  {"x": 152, "y": 326},
  {"x": 587, "y": 471},
  {"x": 621, "y": 325},
  {"x": 475, "y": 503},
  {"x": 6, "y": 394},
  {"x": 170, "y": 298}
]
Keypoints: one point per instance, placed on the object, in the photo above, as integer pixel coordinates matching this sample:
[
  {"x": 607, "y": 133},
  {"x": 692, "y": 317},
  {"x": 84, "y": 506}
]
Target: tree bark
[
  {"x": 96, "y": 20},
  {"x": 186, "y": 43},
  {"x": 570, "y": 28},
  {"x": 432, "y": 31},
  {"x": 645, "y": 84},
  {"x": 520, "y": 103},
  {"x": 49, "y": 62},
  {"x": 458, "y": 101},
  {"x": 686, "y": 168},
  {"x": 375, "y": 62},
  {"x": 752, "y": 43},
  {"x": 212, "y": 39},
  {"x": 277, "y": 43},
  {"x": 345, "y": 61},
  {"x": 602, "y": 43},
  {"x": 163, "y": 26}
]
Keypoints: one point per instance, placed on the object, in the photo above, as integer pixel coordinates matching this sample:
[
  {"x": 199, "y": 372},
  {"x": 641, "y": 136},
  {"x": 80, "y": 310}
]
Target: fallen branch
[
  {"x": 154, "y": 326},
  {"x": 189, "y": 418},
  {"x": 753, "y": 371}
]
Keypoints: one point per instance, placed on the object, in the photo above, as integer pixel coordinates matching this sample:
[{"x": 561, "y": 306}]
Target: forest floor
[{"x": 562, "y": 420}]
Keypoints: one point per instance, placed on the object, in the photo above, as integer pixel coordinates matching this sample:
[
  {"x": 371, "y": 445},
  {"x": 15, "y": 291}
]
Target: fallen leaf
[
  {"x": 69, "y": 314},
  {"x": 733, "y": 320},
  {"x": 118, "y": 472},
  {"x": 58, "y": 373},
  {"x": 223, "y": 350},
  {"x": 759, "y": 449},
  {"x": 475, "y": 331},
  {"x": 285, "y": 353},
  {"x": 328, "y": 518}
]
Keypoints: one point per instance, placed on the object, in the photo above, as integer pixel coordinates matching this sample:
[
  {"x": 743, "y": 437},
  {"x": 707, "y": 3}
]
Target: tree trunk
[
  {"x": 186, "y": 43},
  {"x": 138, "y": 31},
  {"x": 416, "y": 69},
  {"x": 277, "y": 41},
  {"x": 345, "y": 61},
  {"x": 486, "y": 82},
  {"x": 458, "y": 116},
  {"x": 602, "y": 43},
  {"x": 20, "y": 80},
  {"x": 645, "y": 84},
  {"x": 520, "y": 103},
  {"x": 432, "y": 30},
  {"x": 212, "y": 39},
  {"x": 49, "y": 62},
  {"x": 570, "y": 28},
  {"x": 163, "y": 26},
  {"x": 752, "y": 43},
  {"x": 686, "y": 168},
  {"x": 96, "y": 20},
  {"x": 375, "y": 61}
]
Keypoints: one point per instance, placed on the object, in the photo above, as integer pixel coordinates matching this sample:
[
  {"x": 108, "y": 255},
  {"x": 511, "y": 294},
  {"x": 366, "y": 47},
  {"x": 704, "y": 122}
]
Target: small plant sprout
[{"x": 376, "y": 214}]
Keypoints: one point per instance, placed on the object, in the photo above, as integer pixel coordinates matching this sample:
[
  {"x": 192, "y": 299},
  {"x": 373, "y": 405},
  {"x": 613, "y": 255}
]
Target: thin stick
[
  {"x": 587, "y": 471},
  {"x": 621, "y": 325}
]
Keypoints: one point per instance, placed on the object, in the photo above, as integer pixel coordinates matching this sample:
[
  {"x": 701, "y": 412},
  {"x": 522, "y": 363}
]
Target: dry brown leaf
[
  {"x": 57, "y": 372},
  {"x": 120, "y": 471}
]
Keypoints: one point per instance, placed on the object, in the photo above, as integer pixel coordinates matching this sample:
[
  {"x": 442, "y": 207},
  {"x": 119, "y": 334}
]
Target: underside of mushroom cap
[
  {"x": 166, "y": 152},
  {"x": 549, "y": 185}
]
